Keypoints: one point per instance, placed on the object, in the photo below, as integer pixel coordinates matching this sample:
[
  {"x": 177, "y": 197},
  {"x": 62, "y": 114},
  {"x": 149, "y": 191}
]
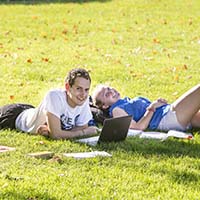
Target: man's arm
[{"x": 53, "y": 128}]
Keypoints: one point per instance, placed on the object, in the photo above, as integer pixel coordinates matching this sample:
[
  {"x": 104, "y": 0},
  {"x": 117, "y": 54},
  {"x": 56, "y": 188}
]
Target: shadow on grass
[
  {"x": 28, "y": 2},
  {"x": 15, "y": 195},
  {"x": 148, "y": 147}
]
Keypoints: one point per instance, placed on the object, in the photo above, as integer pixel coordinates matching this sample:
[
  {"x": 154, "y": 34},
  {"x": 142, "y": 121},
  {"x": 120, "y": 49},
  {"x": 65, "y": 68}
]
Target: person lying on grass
[
  {"x": 181, "y": 115},
  {"x": 62, "y": 114}
]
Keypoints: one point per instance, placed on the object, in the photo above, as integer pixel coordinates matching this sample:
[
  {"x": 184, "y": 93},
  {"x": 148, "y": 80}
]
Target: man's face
[
  {"x": 108, "y": 96},
  {"x": 78, "y": 93}
]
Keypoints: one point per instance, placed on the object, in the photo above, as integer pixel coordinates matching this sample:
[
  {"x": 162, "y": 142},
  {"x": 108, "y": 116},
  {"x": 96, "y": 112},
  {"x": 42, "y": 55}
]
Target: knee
[{"x": 198, "y": 86}]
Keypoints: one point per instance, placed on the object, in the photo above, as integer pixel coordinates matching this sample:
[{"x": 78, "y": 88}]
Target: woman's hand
[{"x": 156, "y": 104}]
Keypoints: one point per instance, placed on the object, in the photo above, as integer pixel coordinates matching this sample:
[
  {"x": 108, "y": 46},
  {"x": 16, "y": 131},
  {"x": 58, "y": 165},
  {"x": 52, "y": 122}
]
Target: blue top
[{"x": 137, "y": 108}]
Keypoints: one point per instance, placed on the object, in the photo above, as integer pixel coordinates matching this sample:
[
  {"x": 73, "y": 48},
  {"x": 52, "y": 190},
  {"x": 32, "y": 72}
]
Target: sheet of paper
[
  {"x": 164, "y": 136},
  {"x": 133, "y": 132},
  {"x": 154, "y": 135},
  {"x": 92, "y": 141},
  {"x": 6, "y": 148},
  {"x": 179, "y": 134},
  {"x": 87, "y": 154},
  {"x": 43, "y": 154}
]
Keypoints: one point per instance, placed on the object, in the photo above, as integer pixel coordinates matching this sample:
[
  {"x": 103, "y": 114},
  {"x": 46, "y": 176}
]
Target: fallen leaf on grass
[
  {"x": 114, "y": 42},
  {"x": 154, "y": 52},
  {"x": 65, "y": 31},
  {"x": 176, "y": 77},
  {"x": 164, "y": 22},
  {"x": 20, "y": 48},
  {"x": 180, "y": 68},
  {"x": 34, "y": 17},
  {"x": 185, "y": 67},
  {"x": 137, "y": 50},
  {"x": 41, "y": 142},
  {"x": 136, "y": 74},
  {"x": 15, "y": 55},
  {"x": 155, "y": 40},
  {"x": 190, "y": 22},
  {"x": 75, "y": 28},
  {"x": 148, "y": 58},
  {"x": 175, "y": 94},
  {"x": 29, "y": 60},
  {"x": 45, "y": 59},
  {"x": 7, "y": 33},
  {"x": 128, "y": 65},
  {"x": 118, "y": 62},
  {"x": 64, "y": 21},
  {"x": 12, "y": 97},
  {"x": 56, "y": 159},
  {"x": 21, "y": 84},
  {"x": 5, "y": 185},
  {"x": 188, "y": 77},
  {"x": 44, "y": 35}
]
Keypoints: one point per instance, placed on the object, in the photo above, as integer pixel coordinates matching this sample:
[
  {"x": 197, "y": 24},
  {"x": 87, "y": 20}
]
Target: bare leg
[
  {"x": 187, "y": 107},
  {"x": 196, "y": 120}
]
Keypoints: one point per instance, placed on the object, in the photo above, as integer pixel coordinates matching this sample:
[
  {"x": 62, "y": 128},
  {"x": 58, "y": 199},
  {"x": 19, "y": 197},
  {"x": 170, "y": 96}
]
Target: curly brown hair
[{"x": 75, "y": 73}]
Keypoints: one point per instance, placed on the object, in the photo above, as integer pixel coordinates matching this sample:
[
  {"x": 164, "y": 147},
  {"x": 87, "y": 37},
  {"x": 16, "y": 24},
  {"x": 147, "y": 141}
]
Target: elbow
[
  {"x": 55, "y": 136},
  {"x": 138, "y": 127},
  {"x": 142, "y": 128},
  {"x": 60, "y": 136}
]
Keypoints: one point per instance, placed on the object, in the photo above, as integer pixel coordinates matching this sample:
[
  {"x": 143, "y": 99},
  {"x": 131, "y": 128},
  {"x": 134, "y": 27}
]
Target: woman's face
[{"x": 107, "y": 96}]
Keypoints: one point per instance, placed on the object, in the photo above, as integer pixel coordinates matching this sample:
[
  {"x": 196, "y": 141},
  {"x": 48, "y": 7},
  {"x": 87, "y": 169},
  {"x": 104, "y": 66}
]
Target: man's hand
[
  {"x": 90, "y": 130},
  {"x": 43, "y": 130}
]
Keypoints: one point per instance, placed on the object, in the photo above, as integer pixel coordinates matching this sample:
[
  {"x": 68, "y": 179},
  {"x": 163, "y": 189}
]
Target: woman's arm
[
  {"x": 143, "y": 123},
  {"x": 54, "y": 131}
]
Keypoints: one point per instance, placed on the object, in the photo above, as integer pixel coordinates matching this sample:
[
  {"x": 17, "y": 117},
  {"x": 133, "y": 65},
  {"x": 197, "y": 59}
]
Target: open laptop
[{"x": 114, "y": 130}]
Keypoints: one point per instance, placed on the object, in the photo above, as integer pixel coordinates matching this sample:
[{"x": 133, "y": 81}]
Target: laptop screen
[{"x": 115, "y": 129}]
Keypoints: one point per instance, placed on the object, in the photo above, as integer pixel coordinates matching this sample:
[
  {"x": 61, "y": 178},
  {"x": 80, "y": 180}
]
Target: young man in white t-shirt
[{"x": 62, "y": 114}]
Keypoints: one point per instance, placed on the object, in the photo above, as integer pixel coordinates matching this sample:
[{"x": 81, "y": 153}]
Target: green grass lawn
[{"x": 141, "y": 47}]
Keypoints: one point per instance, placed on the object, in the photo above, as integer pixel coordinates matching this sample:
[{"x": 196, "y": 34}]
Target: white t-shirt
[{"x": 55, "y": 103}]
